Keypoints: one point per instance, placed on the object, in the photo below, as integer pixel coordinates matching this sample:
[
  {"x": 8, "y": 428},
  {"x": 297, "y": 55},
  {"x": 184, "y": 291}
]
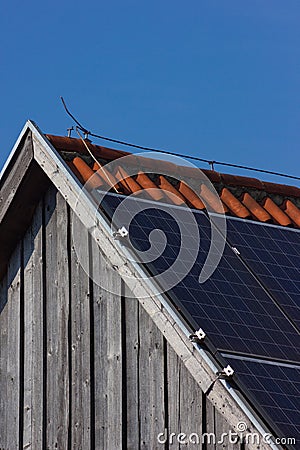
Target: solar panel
[
  {"x": 273, "y": 254},
  {"x": 276, "y": 387},
  {"x": 234, "y": 310}
]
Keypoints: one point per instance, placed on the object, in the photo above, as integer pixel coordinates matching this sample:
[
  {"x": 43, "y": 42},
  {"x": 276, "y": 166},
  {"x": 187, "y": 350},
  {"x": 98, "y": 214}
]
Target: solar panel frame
[
  {"x": 258, "y": 250},
  {"x": 259, "y": 380},
  {"x": 258, "y": 333}
]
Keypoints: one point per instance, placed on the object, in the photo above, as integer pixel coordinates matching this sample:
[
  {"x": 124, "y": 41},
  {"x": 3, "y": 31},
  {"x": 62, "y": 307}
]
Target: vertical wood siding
[{"x": 83, "y": 366}]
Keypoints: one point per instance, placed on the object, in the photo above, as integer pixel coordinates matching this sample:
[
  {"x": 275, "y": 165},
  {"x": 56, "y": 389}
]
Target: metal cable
[
  {"x": 181, "y": 155},
  {"x": 97, "y": 162}
]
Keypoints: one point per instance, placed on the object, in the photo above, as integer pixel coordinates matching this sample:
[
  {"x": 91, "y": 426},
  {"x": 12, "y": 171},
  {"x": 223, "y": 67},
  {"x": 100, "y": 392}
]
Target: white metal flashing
[{"x": 15, "y": 147}]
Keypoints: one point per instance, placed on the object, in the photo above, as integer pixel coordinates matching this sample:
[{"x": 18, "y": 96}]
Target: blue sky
[{"x": 216, "y": 79}]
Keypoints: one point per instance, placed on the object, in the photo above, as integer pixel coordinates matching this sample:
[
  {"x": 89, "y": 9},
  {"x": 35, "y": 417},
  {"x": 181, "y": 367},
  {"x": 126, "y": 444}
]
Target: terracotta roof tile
[
  {"x": 210, "y": 198},
  {"x": 146, "y": 183},
  {"x": 175, "y": 196},
  {"x": 106, "y": 176},
  {"x": 244, "y": 197},
  {"x": 281, "y": 189},
  {"x": 280, "y": 217},
  {"x": 126, "y": 181},
  {"x": 76, "y": 145},
  {"x": 212, "y": 175},
  {"x": 75, "y": 171},
  {"x": 292, "y": 211},
  {"x": 236, "y": 180},
  {"x": 256, "y": 210},
  {"x": 234, "y": 204},
  {"x": 192, "y": 198},
  {"x": 91, "y": 178}
]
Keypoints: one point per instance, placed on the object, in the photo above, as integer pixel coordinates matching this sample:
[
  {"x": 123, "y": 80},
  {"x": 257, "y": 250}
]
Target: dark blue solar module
[
  {"x": 273, "y": 254},
  {"x": 233, "y": 309},
  {"x": 277, "y": 390}
]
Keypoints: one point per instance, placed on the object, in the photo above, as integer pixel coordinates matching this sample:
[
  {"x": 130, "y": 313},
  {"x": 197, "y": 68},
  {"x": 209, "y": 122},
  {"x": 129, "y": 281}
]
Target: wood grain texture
[
  {"x": 80, "y": 345},
  {"x": 151, "y": 381},
  {"x": 190, "y": 408},
  {"x": 33, "y": 333},
  {"x": 3, "y": 360},
  {"x": 108, "y": 356},
  {"x": 57, "y": 299},
  {"x": 13, "y": 354},
  {"x": 132, "y": 369}
]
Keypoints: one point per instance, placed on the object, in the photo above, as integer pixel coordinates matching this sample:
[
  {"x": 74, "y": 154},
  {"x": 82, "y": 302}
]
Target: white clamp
[
  {"x": 227, "y": 372},
  {"x": 198, "y": 336},
  {"x": 236, "y": 251},
  {"x": 121, "y": 233}
]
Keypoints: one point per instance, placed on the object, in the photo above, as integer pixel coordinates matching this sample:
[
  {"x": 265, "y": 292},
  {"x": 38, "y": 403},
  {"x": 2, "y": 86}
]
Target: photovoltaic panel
[
  {"x": 273, "y": 254},
  {"x": 276, "y": 387},
  {"x": 233, "y": 309}
]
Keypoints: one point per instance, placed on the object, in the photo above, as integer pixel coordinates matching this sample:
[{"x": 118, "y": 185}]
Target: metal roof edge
[{"x": 22, "y": 133}]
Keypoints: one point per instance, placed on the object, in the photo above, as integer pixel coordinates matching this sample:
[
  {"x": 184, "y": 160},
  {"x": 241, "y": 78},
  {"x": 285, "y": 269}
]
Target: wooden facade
[{"x": 82, "y": 368}]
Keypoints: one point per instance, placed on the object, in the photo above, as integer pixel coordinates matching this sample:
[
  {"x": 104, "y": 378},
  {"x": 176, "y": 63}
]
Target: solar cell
[
  {"x": 235, "y": 311},
  {"x": 273, "y": 254},
  {"x": 276, "y": 387}
]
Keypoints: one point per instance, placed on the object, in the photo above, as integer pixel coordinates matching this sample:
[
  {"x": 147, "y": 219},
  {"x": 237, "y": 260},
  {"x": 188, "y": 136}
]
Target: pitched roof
[
  {"x": 242, "y": 197},
  {"x": 42, "y": 158}
]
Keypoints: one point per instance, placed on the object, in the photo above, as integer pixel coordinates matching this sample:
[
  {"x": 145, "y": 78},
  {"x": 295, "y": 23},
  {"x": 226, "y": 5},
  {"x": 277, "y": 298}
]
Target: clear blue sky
[{"x": 217, "y": 79}]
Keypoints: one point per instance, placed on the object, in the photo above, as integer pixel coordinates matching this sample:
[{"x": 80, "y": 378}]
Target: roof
[
  {"x": 37, "y": 158},
  {"x": 243, "y": 197}
]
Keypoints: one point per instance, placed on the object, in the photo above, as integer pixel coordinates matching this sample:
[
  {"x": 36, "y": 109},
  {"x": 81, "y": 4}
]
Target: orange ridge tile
[
  {"x": 280, "y": 217},
  {"x": 256, "y": 210},
  {"x": 237, "y": 180},
  {"x": 64, "y": 143},
  {"x": 107, "y": 177},
  {"x": 75, "y": 171},
  {"x": 281, "y": 189},
  {"x": 92, "y": 179},
  {"x": 127, "y": 181},
  {"x": 146, "y": 183},
  {"x": 292, "y": 211},
  {"x": 190, "y": 195},
  {"x": 210, "y": 199},
  {"x": 169, "y": 189},
  {"x": 234, "y": 204}
]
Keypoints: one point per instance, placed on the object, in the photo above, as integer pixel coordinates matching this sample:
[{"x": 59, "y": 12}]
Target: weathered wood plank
[
  {"x": 223, "y": 441},
  {"x": 210, "y": 425},
  {"x": 132, "y": 368},
  {"x": 33, "y": 334},
  {"x": 23, "y": 179},
  {"x": 190, "y": 409},
  {"x": 80, "y": 344},
  {"x": 112, "y": 296},
  {"x": 57, "y": 311},
  {"x": 173, "y": 379},
  {"x": 151, "y": 381},
  {"x": 18, "y": 168},
  {"x": 108, "y": 356},
  {"x": 100, "y": 352},
  {"x": 13, "y": 354},
  {"x": 3, "y": 361}
]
